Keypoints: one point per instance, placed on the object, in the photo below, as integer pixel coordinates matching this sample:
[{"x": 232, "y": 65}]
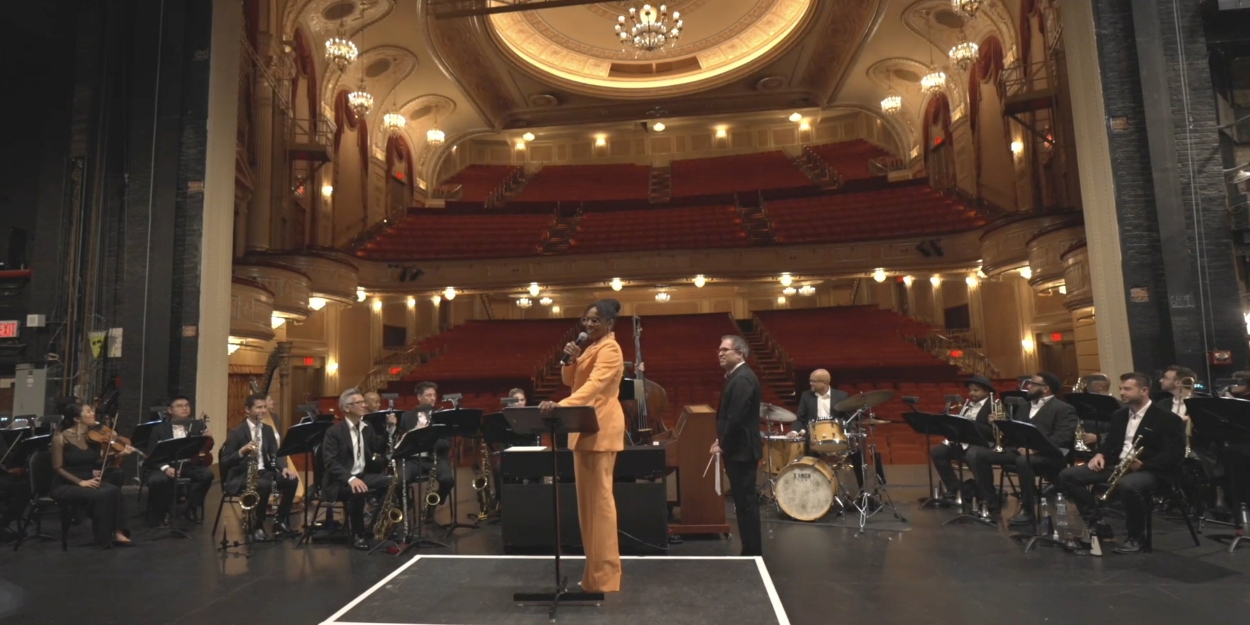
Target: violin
[{"x": 111, "y": 443}]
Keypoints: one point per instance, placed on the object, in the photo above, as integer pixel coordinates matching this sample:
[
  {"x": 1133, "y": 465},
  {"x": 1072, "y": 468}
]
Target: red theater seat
[
  {"x": 736, "y": 174},
  {"x": 561, "y": 183}
]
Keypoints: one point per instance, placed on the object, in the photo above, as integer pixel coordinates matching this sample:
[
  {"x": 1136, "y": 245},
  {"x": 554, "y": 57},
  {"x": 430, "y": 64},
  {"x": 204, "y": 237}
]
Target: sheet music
[{"x": 716, "y": 459}]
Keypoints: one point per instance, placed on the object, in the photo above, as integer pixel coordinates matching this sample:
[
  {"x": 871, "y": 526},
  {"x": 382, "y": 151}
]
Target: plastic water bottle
[
  {"x": 1046, "y": 527},
  {"x": 1061, "y": 517}
]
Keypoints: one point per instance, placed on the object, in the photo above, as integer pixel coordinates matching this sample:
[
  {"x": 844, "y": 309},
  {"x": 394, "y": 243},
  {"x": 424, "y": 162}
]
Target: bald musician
[
  {"x": 373, "y": 402},
  {"x": 818, "y": 404}
]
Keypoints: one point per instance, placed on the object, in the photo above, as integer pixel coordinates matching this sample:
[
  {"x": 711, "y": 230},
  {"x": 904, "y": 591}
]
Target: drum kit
[{"x": 802, "y": 472}]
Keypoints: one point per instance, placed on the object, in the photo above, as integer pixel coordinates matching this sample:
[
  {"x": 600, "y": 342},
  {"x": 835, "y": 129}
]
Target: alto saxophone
[
  {"x": 1122, "y": 468},
  {"x": 390, "y": 515},
  {"x": 250, "y": 497},
  {"x": 482, "y": 485}
]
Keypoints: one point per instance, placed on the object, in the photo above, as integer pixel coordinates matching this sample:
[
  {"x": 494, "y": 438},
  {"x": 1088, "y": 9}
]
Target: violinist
[
  {"x": 79, "y": 452},
  {"x": 243, "y": 443},
  {"x": 14, "y": 492},
  {"x": 178, "y": 424}
]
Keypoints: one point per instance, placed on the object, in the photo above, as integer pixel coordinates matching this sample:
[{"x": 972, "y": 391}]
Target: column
[
  {"x": 939, "y": 304},
  {"x": 260, "y": 213}
]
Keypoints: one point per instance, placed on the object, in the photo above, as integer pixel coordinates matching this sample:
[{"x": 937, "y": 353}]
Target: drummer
[{"x": 818, "y": 403}]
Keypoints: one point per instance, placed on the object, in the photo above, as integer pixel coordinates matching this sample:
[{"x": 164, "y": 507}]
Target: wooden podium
[{"x": 686, "y": 451}]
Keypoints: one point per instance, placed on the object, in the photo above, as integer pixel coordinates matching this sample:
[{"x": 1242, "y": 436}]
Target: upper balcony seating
[
  {"x": 569, "y": 183},
  {"x": 697, "y": 227},
  {"x": 736, "y": 174}
]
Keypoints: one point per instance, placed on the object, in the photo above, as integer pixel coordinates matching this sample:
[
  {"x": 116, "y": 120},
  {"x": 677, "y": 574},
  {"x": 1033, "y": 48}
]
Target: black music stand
[
  {"x": 1018, "y": 434},
  {"x": 499, "y": 432},
  {"x": 139, "y": 439},
  {"x": 303, "y": 438},
  {"x": 1224, "y": 421},
  {"x": 462, "y": 423},
  {"x": 413, "y": 444},
  {"x": 568, "y": 419},
  {"x": 965, "y": 431},
  {"x": 928, "y": 425},
  {"x": 173, "y": 452}
]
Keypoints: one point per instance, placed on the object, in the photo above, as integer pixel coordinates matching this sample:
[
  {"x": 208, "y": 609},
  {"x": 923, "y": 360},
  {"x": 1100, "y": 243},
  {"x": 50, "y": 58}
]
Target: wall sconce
[
  {"x": 332, "y": 367},
  {"x": 879, "y": 275},
  {"x": 529, "y": 136},
  {"x": 908, "y": 280},
  {"x": 781, "y": 299},
  {"x": 412, "y": 302},
  {"x": 805, "y": 126},
  {"x": 316, "y": 303},
  {"x": 972, "y": 281},
  {"x": 1017, "y": 148},
  {"x": 377, "y": 305},
  {"x": 721, "y": 132},
  {"x": 935, "y": 280},
  {"x": 327, "y": 191},
  {"x": 600, "y": 141},
  {"x": 520, "y": 145},
  {"x": 555, "y": 310},
  {"x": 435, "y": 299},
  {"x": 1027, "y": 344}
]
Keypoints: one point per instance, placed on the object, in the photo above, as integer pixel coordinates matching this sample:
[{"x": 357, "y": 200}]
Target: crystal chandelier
[
  {"x": 435, "y": 137},
  {"x": 650, "y": 30},
  {"x": 394, "y": 122},
  {"x": 963, "y": 54},
  {"x": 892, "y": 104},
  {"x": 807, "y": 289},
  {"x": 933, "y": 82},
  {"x": 663, "y": 296},
  {"x": 967, "y": 7},
  {"x": 789, "y": 290},
  {"x": 524, "y": 302},
  {"x": 340, "y": 50},
  {"x": 360, "y": 100},
  {"x": 546, "y": 301}
]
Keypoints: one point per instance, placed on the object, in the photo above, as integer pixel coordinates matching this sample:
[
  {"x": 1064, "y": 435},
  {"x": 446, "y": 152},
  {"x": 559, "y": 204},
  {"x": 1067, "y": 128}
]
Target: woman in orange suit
[{"x": 595, "y": 376}]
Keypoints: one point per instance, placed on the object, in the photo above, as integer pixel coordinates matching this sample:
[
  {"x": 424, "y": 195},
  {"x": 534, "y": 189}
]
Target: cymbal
[
  {"x": 864, "y": 400},
  {"x": 875, "y": 421},
  {"x": 776, "y": 414}
]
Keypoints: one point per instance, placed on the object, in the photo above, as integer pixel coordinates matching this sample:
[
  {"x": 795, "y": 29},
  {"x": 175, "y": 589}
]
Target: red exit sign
[{"x": 8, "y": 329}]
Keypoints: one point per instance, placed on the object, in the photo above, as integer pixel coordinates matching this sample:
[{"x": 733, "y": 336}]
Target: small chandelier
[
  {"x": 650, "y": 30},
  {"x": 789, "y": 291},
  {"x": 879, "y": 275},
  {"x": 963, "y": 54},
  {"x": 524, "y": 302},
  {"x": 663, "y": 296},
  {"x": 449, "y": 293},
  {"x": 807, "y": 290},
  {"x": 933, "y": 82},
  {"x": 394, "y": 122},
  {"x": 892, "y": 104},
  {"x": 360, "y": 100},
  {"x": 534, "y": 289},
  {"x": 967, "y": 7},
  {"x": 340, "y": 50},
  {"x": 617, "y": 284},
  {"x": 546, "y": 301},
  {"x": 435, "y": 137},
  {"x": 786, "y": 279}
]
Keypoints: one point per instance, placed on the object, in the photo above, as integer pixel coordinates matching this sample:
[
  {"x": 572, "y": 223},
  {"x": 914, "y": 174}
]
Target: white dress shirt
[
  {"x": 1134, "y": 420},
  {"x": 358, "y": 448},
  {"x": 824, "y": 405},
  {"x": 1178, "y": 407},
  {"x": 179, "y": 432},
  {"x": 731, "y": 371},
  {"x": 258, "y": 437},
  {"x": 1036, "y": 406},
  {"x": 970, "y": 411}
]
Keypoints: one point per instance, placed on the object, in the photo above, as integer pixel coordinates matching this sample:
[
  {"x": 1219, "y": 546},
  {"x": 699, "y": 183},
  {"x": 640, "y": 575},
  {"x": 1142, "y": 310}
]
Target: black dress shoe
[
  {"x": 361, "y": 543},
  {"x": 1129, "y": 546},
  {"x": 260, "y": 536},
  {"x": 1023, "y": 517},
  {"x": 281, "y": 529}
]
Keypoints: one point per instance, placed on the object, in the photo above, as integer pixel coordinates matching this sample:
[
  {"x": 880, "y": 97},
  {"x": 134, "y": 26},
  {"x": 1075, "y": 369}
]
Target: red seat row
[
  {"x": 556, "y": 183},
  {"x": 479, "y": 181}
]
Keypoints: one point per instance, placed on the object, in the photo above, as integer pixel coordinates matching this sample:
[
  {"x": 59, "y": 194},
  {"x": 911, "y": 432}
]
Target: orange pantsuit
[{"x": 595, "y": 378}]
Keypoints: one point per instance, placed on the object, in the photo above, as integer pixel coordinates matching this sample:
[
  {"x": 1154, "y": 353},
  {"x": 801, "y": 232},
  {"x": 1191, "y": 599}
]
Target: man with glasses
[
  {"x": 347, "y": 450},
  {"x": 738, "y": 438}
]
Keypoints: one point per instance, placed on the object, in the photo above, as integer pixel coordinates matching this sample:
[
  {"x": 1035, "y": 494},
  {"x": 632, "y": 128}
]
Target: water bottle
[
  {"x": 1047, "y": 525},
  {"x": 1061, "y": 517}
]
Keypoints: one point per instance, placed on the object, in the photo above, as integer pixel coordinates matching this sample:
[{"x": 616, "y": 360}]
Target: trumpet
[
  {"x": 1122, "y": 468},
  {"x": 997, "y": 414}
]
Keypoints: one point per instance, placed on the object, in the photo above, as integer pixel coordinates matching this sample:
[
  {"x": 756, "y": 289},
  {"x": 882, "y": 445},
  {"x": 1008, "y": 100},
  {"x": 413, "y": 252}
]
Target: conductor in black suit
[
  {"x": 1163, "y": 448},
  {"x": 250, "y": 438},
  {"x": 738, "y": 438},
  {"x": 1055, "y": 419},
  {"x": 178, "y": 424},
  {"x": 347, "y": 451}
]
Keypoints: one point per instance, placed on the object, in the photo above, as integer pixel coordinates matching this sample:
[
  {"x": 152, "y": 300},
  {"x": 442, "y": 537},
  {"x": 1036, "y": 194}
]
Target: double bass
[{"x": 644, "y": 412}]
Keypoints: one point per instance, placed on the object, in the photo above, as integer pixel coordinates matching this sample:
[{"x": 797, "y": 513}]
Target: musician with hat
[{"x": 976, "y": 408}]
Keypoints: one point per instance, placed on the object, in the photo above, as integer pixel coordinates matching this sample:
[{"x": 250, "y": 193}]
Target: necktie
[
  {"x": 360, "y": 442},
  {"x": 256, "y": 438}
]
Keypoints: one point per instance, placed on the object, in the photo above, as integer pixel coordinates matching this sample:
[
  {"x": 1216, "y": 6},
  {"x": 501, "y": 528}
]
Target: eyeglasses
[
  {"x": 727, "y": 349},
  {"x": 355, "y": 403}
]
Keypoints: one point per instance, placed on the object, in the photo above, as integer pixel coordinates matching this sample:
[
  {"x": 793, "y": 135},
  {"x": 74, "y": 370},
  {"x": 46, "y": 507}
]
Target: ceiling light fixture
[
  {"x": 908, "y": 281},
  {"x": 934, "y": 81},
  {"x": 434, "y": 136},
  {"x": 796, "y": 116},
  {"x": 892, "y": 104},
  {"x": 436, "y": 299},
  {"x": 394, "y": 122},
  {"x": 316, "y": 303},
  {"x": 789, "y": 290},
  {"x": 786, "y": 279},
  {"x": 534, "y": 289},
  {"x": 649, "y": 28},
  {"x": 663, "y": 296},
  {"x": 546, "y": 301},
  {"x": 971, "y": 281},
  {"x": 658, "y": 126},
  {"x": 617, "y": 284},
  {"x": 449, "y": 293},
  {"x": 524, "y": 302},
  {"x": 529, "y": 136},
  {"x": 964, "y": 53},
  {"x": 412, "y": 302},
  {"x": 807, "y": 290},
  {"x": 721, "y": 132},
  {"x": 879, "y": 275},
  {"x": 967, "y": 7},
  {"x": 340, "y": 50},
  {"x": 699, "y": 281},
  {"x": 520, "y": 145},
  {"x": 781, "y": 299}
]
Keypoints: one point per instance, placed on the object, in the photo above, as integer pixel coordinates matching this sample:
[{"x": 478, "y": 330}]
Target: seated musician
[
  {"x": 178, "y": 424},
  {"x": 419, "y": 417},
  {"x": 256, "y": 439},
  {"x": 347, "y": 451},
  {"x": 1170, "y": 384},
  {"x": 1095, "y": 384},
  {"x": 976, "y": 408},
  {"x": 818, "y": 404},
  {"x": 1162, "y": 438},
  {"x": 373, "y": 402},
  {"x": 77, "y": 462},
  {"x": 519, "y": 395},
  {"x": 14, "y": 492},
  {"x": 1055, "y": 419}
]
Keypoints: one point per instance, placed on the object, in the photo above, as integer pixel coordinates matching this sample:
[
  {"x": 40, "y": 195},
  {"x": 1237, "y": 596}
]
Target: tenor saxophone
[
  {"x": 482, "y": 485},
  {"x": 432, "y": 498},
  {"x": 1122, "y": 468},
  {"x": 250, "y": 497},
  {"x": 390, "y": 515}
]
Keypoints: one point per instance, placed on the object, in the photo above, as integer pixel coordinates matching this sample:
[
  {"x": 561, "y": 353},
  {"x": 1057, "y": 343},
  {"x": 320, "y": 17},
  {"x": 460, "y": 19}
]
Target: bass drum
[{"x": 805, "y": 489}]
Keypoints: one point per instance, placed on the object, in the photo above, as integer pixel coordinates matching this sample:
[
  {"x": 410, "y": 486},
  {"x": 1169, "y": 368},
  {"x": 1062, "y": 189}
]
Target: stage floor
[{"x": 937, "y": 575}]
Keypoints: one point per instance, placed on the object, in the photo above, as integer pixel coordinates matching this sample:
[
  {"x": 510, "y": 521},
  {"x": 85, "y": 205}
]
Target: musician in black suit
[
  {"x": 1055, "y": 419},
  {"x": 177, "y": 424},
  {"x": 976, "y": 408},
  {"x": 1162, "y": 438},
  {"x": 350, "y": 475},
  {"x": 818, "y": 404},
  {"x": 419, "y": 417},
  {"x": 251, "y": 438},
  {"x": 738, "y": 438}
]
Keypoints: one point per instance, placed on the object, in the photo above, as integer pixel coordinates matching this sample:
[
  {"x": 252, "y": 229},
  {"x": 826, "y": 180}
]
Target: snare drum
[
  {"x": 827, "y": 436},
  {"x": 805, "y": 489},
  {"x": 781, "y": 450}
]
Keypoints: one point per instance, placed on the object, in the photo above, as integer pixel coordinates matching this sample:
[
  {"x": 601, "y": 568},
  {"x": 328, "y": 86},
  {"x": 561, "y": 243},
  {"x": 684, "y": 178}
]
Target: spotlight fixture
[
  {"x": 524, "y": 302},
  {"x": 786, "y": 279},
  {"x": 617, "y": 284},
  {"x": 663, "y": 296},
  {"x": 316, "y": 303},
  {"x": 449, "y": 293},
  {"x": 879, "y": 275},
  {"x": 699, "y": 281},
  {"x": 529, "y": 136},
  {"x": 789, "y": 290},
  {"x": 534, "y": 289},
  {"x": 796, "y": 116},
  {"x": 546, "y": 301},
  {"x": 807, "y": 290}
]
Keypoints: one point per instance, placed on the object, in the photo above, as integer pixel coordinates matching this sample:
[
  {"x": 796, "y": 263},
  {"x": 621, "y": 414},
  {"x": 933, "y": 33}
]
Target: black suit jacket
[
  {"x": 165, "y": 431},
  {"x": 983, "y": 420},
  {"x": 1162, "y": 437},
  {"x": 738, "y": 417},
  {"x": 808, "y": 407},
  {"x": 338, "y": 455},
  {"x": 234, "y": 465},
  {"x": 409, "y": 420},
  {"x": 1056, "y": 420}
]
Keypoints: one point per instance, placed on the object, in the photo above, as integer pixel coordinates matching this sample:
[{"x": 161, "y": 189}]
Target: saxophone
[
  {"x": 1080, "y": 445},
  {"x": 997, "y": 414},
  {"x": 482, "y": 485},
  {"x": 1122, "y": 468},
  {"x": 390, "y": 515},
  {"x": 432, "y": 498},
  {"x": 250, "y": 497}
]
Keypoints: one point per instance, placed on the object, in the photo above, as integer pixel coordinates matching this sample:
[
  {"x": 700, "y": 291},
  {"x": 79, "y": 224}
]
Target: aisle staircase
[
  {"x": 755, "y": 221},
  {"x": 771, "y": 363},
  {"x": 560, "y": 234}
]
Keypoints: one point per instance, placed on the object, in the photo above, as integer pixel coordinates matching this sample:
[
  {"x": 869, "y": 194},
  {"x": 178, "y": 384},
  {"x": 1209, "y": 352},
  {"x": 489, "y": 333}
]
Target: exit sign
[{"x": 8, "y": 329}]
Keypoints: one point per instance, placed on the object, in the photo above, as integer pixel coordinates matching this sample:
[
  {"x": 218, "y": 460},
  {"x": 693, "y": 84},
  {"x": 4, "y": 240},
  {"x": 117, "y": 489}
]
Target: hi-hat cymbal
[
  {"x": 864, "y": 400},
  {"x": 776, "y": 414}
]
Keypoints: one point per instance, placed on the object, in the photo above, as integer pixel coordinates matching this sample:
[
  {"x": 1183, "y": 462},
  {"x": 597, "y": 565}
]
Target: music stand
[
  {"x": 929, "y": 425},
  {"x": 965, "y": 431},
  {"x": 303, "y": 438},
  {"x": 462, "y": 423},
  {"x": 413, "y": 444},
  {"x": 173, "y": 452},
  {"x": 499, "y": 433},
  {"x": 1023, "y": 434},
  {"x": 568, "y": 419},
  {"x": 1225, "y": 421}
]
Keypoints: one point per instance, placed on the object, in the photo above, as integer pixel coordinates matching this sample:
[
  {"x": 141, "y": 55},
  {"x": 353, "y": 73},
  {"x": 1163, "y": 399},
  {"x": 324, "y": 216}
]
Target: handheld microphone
[{"x": 581, "y": 338}]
